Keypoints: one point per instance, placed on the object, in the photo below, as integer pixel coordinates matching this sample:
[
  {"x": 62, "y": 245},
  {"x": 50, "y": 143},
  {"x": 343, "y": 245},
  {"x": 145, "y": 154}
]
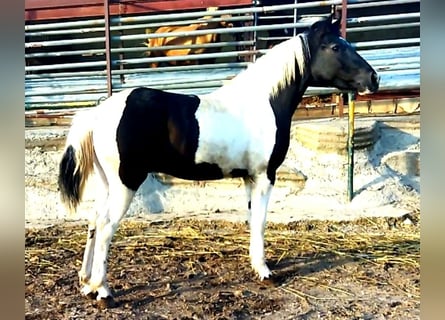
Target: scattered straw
[{"x": 296, "y": 249}]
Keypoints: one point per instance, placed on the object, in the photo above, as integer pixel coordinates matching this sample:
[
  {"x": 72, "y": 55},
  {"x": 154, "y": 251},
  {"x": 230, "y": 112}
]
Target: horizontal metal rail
[
  {"x": 370, "y": 4},
  {"x": 232, "y": 65},
  {"x": 384, "y": 27},
  {"x": 387, "y": 17},
  {"x": 137, "y": 49},
  {"x": 71, "y": 31},
  {"x": 381, "y": 43}
]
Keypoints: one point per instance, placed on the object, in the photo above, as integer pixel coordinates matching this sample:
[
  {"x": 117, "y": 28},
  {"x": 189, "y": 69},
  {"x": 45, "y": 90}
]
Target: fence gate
[{"x": 78, "y": 52}]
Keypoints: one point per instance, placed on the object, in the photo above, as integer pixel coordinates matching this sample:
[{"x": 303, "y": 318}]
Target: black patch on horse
[
  {"x": 289, "y": 96},
  {"x": 158, "y": 132},
  {"x": 239, "y": 173}
]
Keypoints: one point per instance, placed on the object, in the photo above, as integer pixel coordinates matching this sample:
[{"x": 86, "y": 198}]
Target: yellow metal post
[{"x": 351, "y": 110}]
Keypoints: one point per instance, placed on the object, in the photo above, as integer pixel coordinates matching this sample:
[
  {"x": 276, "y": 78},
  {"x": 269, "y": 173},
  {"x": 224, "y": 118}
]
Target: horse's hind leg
[
  {"x": 100, "y": 201},
  {"x": 118, "y": 201},
  {"x": 85, "y": 270},
  {"x": 261, "y": 190}
]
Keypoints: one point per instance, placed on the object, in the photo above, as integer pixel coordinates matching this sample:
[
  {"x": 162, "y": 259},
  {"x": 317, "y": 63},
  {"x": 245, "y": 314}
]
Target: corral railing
[{"x": 76, "y": 61}]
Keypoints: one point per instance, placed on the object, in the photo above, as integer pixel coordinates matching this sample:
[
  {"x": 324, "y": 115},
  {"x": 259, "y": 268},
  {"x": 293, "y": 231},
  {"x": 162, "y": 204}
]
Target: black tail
[
  {"x": 77, "y": 162},
  {"x": 69, "y": 179},
  {"x": 75, "y": 167}
]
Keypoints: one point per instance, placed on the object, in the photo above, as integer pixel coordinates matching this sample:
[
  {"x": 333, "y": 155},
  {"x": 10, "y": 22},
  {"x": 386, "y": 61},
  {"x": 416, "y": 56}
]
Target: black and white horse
[{"x": 240, "y": 130}]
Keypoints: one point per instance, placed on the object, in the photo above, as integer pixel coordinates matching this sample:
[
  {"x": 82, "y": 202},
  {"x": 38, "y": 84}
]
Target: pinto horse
[
  {"x": 186, "y": 39},
  {"x": 241, "y": 129}
]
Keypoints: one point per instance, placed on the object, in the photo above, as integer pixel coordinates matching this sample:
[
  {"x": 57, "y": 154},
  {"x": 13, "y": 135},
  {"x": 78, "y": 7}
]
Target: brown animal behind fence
[{"x": 186, "y": 40}]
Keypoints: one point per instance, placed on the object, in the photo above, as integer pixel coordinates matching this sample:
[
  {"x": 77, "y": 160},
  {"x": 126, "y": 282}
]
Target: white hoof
[
  {"x": 83, "y": 278},
  {"x": 262, "y": 270},
  {"x": 86, "y": 290},
  {"x": 101, "y": 292}
]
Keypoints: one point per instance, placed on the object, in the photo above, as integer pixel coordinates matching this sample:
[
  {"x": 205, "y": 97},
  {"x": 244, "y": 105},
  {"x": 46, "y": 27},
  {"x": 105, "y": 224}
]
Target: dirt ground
[
  {"x": 196, "y": 269},
  {"x": 182, "y": 251}
]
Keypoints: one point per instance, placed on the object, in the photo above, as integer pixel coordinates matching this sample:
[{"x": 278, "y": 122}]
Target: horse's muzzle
[
  {"x": 372, "y": 85},
  {"x": 375, "y": 82}
]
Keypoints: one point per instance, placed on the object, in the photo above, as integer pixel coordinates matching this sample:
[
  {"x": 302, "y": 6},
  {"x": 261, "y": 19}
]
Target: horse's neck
[
  {"x": 248, "y": 89},
  {"x": 286, "y": 100}
]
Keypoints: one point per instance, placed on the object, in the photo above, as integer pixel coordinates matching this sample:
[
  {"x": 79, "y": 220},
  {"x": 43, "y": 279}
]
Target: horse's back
[{"x": 154, "y": 119}]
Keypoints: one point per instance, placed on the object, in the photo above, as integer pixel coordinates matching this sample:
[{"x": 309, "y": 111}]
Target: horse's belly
[
  {"x": 202, "y": 171},
  {"x": 226, "y": 157},
  {"x": 233, "y": 143}
]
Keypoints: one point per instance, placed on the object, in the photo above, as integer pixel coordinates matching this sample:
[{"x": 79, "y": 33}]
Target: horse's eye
[{"x": 335, "y": 48}]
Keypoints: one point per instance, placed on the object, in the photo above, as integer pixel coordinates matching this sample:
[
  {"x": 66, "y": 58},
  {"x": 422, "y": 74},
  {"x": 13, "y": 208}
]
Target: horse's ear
[
  {"x": 336, "y": 22},
  {"x": 321, "y": 26}
]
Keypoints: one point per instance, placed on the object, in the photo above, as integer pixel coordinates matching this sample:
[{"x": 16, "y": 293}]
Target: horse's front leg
[{"x": 261, "y": 190}]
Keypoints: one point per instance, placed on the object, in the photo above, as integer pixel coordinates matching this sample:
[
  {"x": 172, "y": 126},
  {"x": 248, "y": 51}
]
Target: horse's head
[
  {"x": 334, "y": 62},
  {"x": 224, "y": 23}
]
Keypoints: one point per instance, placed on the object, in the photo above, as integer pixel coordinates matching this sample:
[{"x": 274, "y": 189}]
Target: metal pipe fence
[{"x": 66, "y": 61}]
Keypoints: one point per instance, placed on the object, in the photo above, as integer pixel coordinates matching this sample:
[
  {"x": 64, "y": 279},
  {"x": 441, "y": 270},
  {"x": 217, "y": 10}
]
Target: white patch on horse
[
  {"x": 236, "y": 122},
  {"x": 261, "y": 190},
  {"x": 235, "y": 133},
  {"x": 109, "y": 122}
]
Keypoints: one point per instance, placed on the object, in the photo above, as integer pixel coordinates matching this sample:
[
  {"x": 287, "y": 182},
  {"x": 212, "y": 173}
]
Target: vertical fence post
[
  {"x": 294, "y": 33},
  {"x": 121, "y": 56},
  {"x": 351, "y": 109},
  {"x": 108, "y": 46},
  {"x": 344, "y": 13},
  {"x": 253, "y": 35}
]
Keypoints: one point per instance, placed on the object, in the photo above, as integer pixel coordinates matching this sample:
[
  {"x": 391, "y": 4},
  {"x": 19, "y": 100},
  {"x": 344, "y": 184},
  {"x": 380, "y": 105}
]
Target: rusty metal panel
[
  {"x": 51, "y": 4},
  {"x": 62, "y": 9}
]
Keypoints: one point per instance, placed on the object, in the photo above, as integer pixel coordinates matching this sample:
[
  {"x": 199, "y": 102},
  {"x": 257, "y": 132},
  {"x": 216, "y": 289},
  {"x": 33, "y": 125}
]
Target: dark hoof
[
  {"x": 92, "y": 295},
  {"x": 268, "y": 282},
  {"x": 106, "y": 303}
]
